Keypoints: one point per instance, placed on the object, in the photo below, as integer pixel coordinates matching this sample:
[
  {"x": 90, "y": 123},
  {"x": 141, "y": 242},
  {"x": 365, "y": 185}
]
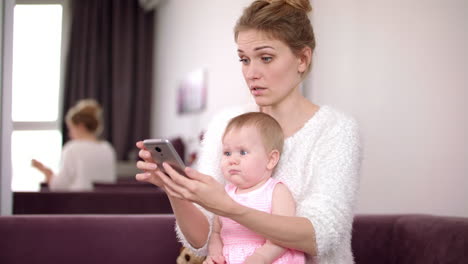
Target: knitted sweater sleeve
[
  {"x": 208, "y": 162},
  {"x": 334, "y": 178}
]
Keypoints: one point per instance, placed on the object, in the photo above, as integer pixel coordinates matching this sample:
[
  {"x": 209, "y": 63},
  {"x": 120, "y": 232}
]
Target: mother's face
[{"x": 271, "y": 70}]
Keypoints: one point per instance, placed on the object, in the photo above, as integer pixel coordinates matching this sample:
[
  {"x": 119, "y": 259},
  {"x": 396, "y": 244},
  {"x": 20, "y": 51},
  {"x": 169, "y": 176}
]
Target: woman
[
  {"x": 85, "y": 159},
  {"x": 321, "y": 156}
]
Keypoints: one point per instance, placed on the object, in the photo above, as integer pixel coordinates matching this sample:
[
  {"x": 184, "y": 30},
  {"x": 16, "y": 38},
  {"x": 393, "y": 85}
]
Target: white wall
[
  {"x": 399, "y": 67},
  {"x": 191, "y": 35},
  {"x": 404, "y": 77}
]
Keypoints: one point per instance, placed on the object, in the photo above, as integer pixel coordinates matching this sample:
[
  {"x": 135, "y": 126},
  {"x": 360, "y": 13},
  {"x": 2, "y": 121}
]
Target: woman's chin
[{"x": 262, "y": 102}]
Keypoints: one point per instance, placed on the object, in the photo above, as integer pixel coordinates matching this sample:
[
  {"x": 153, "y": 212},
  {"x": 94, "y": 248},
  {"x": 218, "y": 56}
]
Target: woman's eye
[
  {"x": 227, "y": 153},
  {"x": 267, "y": 59},
  {"x": 243, "y": 152},
  {"x": 244, "y": 61}
]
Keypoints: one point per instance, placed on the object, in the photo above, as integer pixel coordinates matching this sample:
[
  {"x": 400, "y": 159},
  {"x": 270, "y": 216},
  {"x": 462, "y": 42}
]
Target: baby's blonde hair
[{"x": 269, "y": 129}]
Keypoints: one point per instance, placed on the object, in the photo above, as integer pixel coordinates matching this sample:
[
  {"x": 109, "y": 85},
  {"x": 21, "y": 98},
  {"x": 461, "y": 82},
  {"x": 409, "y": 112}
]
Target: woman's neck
[
  {"x": 292, "y": 113},
  {"x": 87, "y": 136}
]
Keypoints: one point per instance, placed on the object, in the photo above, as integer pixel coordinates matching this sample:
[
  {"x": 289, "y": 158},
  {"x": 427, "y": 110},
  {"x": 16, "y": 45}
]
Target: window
[{"x": 36, "y": 89}]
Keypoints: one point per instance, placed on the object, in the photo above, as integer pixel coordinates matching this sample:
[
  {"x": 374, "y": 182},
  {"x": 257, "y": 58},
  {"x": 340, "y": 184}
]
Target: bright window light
[
  {"x": 37, "y": 42},
  {"x": 37, "y": 37},
  {"x": 44, "y": 146}
]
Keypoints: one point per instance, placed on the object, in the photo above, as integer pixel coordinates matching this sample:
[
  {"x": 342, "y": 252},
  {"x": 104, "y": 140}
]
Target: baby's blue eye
[
  {"x": 243, "y": 152},
  {"x": 227, "y": 153}
]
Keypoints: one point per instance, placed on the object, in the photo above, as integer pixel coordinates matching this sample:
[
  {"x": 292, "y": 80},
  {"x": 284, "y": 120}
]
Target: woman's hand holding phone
[
  {"x": 193, "y": 186},
  {"x": 148, "y": 166}
]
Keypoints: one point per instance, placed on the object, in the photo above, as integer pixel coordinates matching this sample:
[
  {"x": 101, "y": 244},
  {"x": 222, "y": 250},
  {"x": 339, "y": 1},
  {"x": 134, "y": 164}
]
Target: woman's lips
[{"x": 257, "y": 90}]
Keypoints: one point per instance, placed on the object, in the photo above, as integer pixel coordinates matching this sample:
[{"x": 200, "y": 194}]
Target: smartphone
[{"x": 162, "y": 150}]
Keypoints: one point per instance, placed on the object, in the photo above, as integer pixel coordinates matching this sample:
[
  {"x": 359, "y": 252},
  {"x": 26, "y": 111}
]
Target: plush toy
[{"x": 186, "y": 256}]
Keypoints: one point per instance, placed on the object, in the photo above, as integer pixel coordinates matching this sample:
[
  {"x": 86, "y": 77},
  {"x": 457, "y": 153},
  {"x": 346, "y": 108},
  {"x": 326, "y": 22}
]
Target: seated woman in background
[{"x": 85, "y": 159}]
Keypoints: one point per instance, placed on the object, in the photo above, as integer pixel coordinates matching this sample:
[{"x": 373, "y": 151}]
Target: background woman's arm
[{"x": 48, "y": 173}]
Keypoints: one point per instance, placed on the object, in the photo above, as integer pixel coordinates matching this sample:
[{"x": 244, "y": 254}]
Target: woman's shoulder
[
  {"x": 71, "y": 144},
  {"x": 339, "y": 126},
  {"x": 332, "y": 119},
  {"x": 87, "y": 144},
  {"x": 327, "y": 124},
  {"x": 337, "y": 117}
]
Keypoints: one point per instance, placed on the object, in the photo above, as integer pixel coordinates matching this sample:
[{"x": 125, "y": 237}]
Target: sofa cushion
[
  {"x": 410, "y": 239},
  {"x": 88, "y": 239},
  {"x": 425, "y": 239},
  {"x": 372, "y": 239}
]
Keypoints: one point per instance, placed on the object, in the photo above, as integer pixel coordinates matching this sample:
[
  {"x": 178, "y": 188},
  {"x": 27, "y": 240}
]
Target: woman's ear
[
  {"x": 305, "y": 58},
  {"x": 273, "y": 159}
]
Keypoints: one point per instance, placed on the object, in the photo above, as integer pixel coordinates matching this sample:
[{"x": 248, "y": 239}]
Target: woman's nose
[{"x": 251, "y": 72}]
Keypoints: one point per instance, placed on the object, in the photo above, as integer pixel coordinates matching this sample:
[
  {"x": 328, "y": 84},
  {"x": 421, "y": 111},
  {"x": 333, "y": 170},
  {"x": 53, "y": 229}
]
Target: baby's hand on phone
[{"x": 148, "y": 166}]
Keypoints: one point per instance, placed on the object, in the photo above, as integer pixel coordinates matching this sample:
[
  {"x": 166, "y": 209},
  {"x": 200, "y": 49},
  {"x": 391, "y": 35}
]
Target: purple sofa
[
  {"x": 116, "y": 239},
  {"x": 377, "y": 239},
  {"x": 410, "y": 239},
  {"x": 118, "y": 200}
]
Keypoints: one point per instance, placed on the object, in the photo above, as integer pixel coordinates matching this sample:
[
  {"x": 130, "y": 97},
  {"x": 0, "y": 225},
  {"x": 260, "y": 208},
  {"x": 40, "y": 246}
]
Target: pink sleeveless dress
[{"x": 238, "y": 241}]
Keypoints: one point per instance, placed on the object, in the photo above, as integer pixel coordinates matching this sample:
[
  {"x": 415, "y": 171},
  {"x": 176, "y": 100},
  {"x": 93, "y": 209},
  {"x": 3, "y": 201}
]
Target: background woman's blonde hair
[
  {"x": 284, "y": 20},
  {"x": 87, "y": 112},
  {"x": 269, "y": 129}
]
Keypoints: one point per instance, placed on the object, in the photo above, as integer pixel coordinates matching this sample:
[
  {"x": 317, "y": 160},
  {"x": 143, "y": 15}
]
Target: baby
[{"x": 252, "y": 144}]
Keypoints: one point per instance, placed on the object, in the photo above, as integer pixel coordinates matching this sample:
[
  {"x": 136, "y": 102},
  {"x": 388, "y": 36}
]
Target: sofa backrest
[
  {"x": 423, "y": 239},
  {"x": 116, "y": 239},
  {"x": 372, "y": 238},
  {"x": 139, "y": 201},
  {"x": 410, "y": 239}
]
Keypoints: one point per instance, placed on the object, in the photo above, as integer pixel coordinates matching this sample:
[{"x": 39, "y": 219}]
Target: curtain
[{"x": 110, "y": 59}]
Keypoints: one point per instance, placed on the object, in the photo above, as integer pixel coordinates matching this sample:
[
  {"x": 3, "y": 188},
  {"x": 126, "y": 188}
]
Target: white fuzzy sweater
[{"x": 320, "y": 165}]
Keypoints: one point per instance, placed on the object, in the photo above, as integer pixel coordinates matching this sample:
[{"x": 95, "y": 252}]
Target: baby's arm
[
  {"x": 215, "y": 245},
  {"x": 282, "y": 204}
]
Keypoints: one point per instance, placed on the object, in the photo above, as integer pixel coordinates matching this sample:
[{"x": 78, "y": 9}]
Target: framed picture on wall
[{"x": 191, "y": 93}]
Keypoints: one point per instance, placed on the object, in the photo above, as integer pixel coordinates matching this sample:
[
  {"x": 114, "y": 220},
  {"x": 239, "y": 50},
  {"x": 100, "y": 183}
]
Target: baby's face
[{"x": 244, "y": 160}]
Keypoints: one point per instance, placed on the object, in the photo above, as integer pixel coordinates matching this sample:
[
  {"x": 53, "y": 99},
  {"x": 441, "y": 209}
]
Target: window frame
[
  {"x": 38, "y": 126},
  {"x": 66, "y": 19}
]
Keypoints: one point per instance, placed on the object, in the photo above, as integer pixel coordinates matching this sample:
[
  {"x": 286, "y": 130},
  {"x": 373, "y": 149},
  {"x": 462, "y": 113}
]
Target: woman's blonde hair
[
  {"x": 87, "y": 112},
  {"x": 269, "y": 129},
  {"x": 285, "y": 20}
]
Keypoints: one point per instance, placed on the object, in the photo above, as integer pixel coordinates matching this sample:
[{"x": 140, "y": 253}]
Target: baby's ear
[{"x": 273, "y": 159}]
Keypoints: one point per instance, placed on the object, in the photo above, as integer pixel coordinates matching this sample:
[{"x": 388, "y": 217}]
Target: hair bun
[
  {"x": 89, "y": 106},
  {"x": 87, "y": 112},
  {"x": 303, "y": 5},
  {"x": 300, "y": 4}
]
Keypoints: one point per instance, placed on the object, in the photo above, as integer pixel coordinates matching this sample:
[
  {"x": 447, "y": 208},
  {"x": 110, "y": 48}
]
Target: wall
[
  {"x": 190, "y": 36},
  {"x": 399, "y": 67},
  {"x": 402, "y": 73}
]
